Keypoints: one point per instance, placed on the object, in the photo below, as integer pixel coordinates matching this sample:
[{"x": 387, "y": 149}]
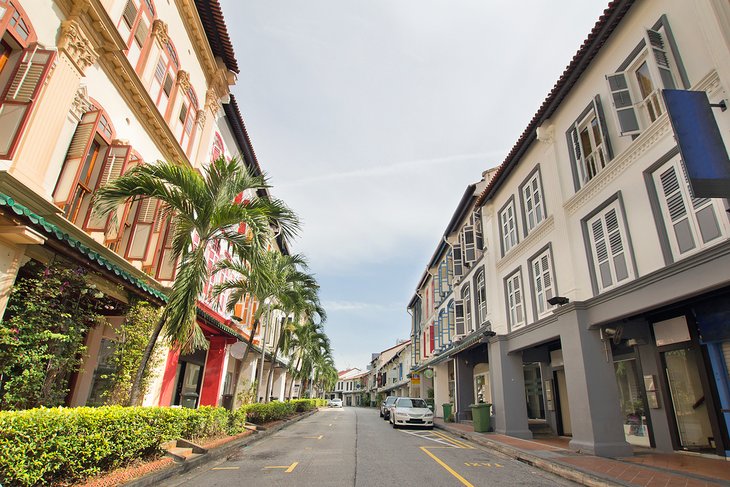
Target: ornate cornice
[
  {"x": 77, "y": 47},
  {"x": 183, "y": 80},
  {"x": 159, "y": 32}
]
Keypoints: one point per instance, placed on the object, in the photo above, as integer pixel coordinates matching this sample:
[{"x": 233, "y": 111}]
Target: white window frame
[
  {"x": 683, "y": 209},
  {"x": 515, "y": 301},
  {"x": 541, "y": 268},
  {"x": 480, "y": 294},
  {"x": 466, "y": 298},
  {"x": 508, "y": 226},
  {"x": 608, "y": 241},
  {"x": 589, "y": 163},
  {"x": 533, "y": 202}
]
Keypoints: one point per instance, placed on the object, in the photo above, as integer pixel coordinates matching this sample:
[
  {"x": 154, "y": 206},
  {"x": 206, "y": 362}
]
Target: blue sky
[{"x": 372, "y": 117}]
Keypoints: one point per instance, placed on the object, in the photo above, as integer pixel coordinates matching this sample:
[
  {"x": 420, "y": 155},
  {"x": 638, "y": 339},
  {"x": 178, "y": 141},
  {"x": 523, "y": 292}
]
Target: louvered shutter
[
  {"x": 432, "y": 338},
  {"x": 142, "y": 229},
  {"x": 140, "y": 35},
  {"x": 656, "y": 43},
  {"x": 20, "y": 94},
  {"x": 598, "y": 107},
  {"x": 469, "y": 242},
  {"x": 458, "y": 269},
  {"x": 609, "y": 249},
  {"x": 166, "y": 264},
  {"x": 459, "y": 317},
  {"x": 114, "y": 163},
  {"x": 478, "y": 234},
  {"x": 676, "y": 210},
  {"x": 77, "y": 152},
  {"x": 621, "y": 97},
  {"x": 130, "y": 13}
]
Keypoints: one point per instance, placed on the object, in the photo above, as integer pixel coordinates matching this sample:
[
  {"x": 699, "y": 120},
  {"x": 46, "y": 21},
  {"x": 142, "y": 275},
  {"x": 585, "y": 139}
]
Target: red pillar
[
  {"x": 168, "y": 379},
  {"x": 213, "y": 372}
]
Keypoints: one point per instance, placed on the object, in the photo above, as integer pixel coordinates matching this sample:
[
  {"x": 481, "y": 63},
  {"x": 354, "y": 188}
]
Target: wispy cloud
[
  {"x": 393, "y": 168},
  {"x": 354, "y": 306}
]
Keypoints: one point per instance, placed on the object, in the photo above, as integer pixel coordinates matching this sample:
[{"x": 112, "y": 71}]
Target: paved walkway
[{"x": 646, "y": 468}]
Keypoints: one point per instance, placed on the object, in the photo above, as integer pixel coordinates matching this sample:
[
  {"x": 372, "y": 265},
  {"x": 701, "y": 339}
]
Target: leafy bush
[{"x": 64, "y": 445}]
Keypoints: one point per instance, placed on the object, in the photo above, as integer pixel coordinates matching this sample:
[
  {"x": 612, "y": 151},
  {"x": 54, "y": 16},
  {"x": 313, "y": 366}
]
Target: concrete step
[
  {"x": 540, "y": 429},
  {"x": 180, "y": 454}
]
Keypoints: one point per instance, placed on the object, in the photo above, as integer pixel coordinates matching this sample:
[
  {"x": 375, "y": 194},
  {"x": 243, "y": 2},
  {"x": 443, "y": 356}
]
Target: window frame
[
  {"x": 614, "y": 202},
  {"x": 536, "y": 176},
  {"x": 466, "y": 299},
  {"x": 547, "y": 250},
  {"x": 576, "y": 150},
  {"x": 480, "y": 297},
  {"x": 510, "y": 204},
  {"x": 512, "y": 321}
]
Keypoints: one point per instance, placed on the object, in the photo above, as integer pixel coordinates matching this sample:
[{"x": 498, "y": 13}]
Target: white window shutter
[
  {"x": 469, "y": 243},
  {"x": 459, "y": 317},
  {"x": 655, "y": 42},
  {"x": 457, "y": 263},
  {"x": 623, "y": 104}
]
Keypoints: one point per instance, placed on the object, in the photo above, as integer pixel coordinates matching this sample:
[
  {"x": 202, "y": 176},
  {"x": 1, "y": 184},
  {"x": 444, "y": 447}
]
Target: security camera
[{"x": 559, "y": 300}]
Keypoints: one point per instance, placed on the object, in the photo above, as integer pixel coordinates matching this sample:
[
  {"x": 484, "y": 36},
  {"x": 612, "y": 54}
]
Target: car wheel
[
  {"x": 430, "y": 427},
  {"x": 395, "y": 426},
  {"x": 381, "y": 414}
]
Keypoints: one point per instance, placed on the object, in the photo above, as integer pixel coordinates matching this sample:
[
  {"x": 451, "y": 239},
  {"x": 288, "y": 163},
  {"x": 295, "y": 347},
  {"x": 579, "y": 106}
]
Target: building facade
[
  {"x": 89, "y": 90},
  {"x": 603, "y": 277}
]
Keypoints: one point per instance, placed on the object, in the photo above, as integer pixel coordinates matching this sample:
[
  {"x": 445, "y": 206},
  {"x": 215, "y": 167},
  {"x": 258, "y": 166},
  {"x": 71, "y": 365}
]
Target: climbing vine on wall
[{"x": 49, "y": 312}]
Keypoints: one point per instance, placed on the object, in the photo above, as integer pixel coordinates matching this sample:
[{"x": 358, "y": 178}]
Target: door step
[{"x": 183, "y": 450}]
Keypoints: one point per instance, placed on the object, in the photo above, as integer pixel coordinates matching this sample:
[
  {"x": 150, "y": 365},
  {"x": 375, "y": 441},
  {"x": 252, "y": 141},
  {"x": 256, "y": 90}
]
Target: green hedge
[{"x": 63, "y": 445}]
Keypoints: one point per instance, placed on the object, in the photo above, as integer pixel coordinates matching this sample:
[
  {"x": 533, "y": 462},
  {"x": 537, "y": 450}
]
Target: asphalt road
[{"x": 355, "y": 447}]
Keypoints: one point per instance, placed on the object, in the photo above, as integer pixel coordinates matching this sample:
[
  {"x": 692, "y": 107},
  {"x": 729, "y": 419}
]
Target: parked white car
[
  {"x": 335, "y": 403},
  {"x": 411, "y": 411}
]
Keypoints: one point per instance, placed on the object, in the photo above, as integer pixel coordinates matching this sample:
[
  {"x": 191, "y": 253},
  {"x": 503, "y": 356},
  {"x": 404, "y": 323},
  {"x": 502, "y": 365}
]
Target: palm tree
[
  {"x": 271, "y": 282},
  {"x": 300, "y": 302},
  {"x": 202, "y": 204},
  {"x": 312, "y": 345}
]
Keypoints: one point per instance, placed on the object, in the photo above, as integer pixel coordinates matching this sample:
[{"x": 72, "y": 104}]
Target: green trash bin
[
  {"x": 447, "y": 411},
  {"x": 480, "y": 415}
]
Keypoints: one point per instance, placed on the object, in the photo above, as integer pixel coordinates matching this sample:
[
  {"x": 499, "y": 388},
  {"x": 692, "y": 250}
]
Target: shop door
[
  {"x": 563, "y": 403},
  {"x": 533, "y": 391},
  {"x": 688, "y": 399}
]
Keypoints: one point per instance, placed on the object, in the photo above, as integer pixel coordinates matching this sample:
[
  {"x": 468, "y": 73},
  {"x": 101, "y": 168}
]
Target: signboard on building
[{"x": 415, "y": 379}]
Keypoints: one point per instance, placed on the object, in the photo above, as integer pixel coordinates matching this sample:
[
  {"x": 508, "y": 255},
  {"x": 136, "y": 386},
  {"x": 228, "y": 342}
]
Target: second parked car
[{"x": 385, "y": 407}]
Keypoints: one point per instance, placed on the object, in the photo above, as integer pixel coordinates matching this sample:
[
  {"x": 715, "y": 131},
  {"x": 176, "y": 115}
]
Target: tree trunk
[
  {"x": 269, "y": 377},
  {"x": 239, "y": 367},
  {"x": 136, "y": 391},
  {"x": 291, "y": 384}
]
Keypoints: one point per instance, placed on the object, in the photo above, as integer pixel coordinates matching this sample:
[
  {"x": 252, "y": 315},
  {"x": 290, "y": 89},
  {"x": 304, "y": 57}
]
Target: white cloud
[{"x": 355, "y": 306}]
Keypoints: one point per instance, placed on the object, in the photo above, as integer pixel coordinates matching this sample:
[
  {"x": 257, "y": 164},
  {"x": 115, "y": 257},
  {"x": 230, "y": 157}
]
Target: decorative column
[
  {"x": 168, "y": 378},
  {"x": 595, "y": 415},
  {"x": 46, "y": 124},
  {"x": 508, "y": 387},
  {"x": 213, "y": 373}
]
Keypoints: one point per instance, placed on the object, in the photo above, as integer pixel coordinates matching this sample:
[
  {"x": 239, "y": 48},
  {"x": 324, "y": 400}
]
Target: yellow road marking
[
  {"x": 447, "y": 468},
  {"x": 460, "y": 444},
  {"x": 482, "y": 464},
  {"x": 225, "y": 468},
  {"x": 289, "y": 468}
]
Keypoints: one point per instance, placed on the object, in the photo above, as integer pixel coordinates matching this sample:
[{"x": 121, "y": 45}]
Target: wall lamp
[
  {"x": 489, "y": 334},
  {"x": 559, "y": 300}
]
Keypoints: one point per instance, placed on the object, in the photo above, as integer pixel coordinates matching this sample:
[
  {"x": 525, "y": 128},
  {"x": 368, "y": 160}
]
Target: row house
[
  {"x": 351, "y": 384},
  {"x": 599, "y": 308},
  {"x": 385, "y": 373},
  {"x": 89, "y": 90}
]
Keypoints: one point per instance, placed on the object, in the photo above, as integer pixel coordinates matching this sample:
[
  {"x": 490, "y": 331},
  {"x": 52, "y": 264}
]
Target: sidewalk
[{"x": 645, "y": 468}]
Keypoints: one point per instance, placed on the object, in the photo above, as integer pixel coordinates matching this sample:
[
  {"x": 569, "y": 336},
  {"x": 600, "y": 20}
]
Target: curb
[
  {"x": 155, "y": 478},
  {"x": 561, "y": 470}
]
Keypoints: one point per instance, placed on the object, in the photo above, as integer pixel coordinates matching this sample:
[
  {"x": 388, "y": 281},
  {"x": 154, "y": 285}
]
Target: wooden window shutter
[
  {"x": 469, "y": 242},
  {"x": 130, "y": 13},
  {"x": 20, "y": 95},
  {"x": 458, "y": 269},
  {"x": 142, "y": 229},
  {"x": 621, "y": 96},
  {"x": 140, "y": 35},
  {"x": 166, "y": 264},
  {"x": 77, "y": 152},
  {"x": 459, "y": 317},
  {"x": 598, "y": 107},
  {"x": 655, "y": 42},
  {"x": 114, "y": 163}
]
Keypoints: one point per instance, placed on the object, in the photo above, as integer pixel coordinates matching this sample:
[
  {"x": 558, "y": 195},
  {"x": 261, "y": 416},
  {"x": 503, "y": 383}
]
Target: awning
[{"x": 454, "y": 349}]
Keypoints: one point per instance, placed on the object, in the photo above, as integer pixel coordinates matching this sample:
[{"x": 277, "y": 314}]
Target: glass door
[
  {"x": 633, "y": 406},
  {"x": 688, "y": 399},
  {"x": 533, "y": 391}
]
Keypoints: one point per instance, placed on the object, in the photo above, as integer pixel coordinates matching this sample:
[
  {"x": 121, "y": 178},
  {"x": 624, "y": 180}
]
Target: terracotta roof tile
[{"x": 211, "y": 15}]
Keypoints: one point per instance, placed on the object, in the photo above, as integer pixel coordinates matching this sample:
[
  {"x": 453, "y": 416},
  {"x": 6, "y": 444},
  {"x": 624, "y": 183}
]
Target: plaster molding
[
  {"x": 159, "y": 32},
  {"x": 527, "y": 243},
  {"x": 183, "y": 80},
  {"x": 81, "y": 103},
  {"x": 76, "y": 45}
]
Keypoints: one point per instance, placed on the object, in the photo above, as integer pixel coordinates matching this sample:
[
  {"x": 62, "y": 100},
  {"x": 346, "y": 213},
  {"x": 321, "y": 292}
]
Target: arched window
[
  {"x": 218, "y": 150},
  {"x": 466, "y": 298},
  {"x": 24, "y": 67},
  {"x": 91, "y": 159},
  {"x": 135, "y": 26},
  {"x": 183, "y": 126},
  {"x": 481, "y": 298},
  {"x": 163, "y": 80}
]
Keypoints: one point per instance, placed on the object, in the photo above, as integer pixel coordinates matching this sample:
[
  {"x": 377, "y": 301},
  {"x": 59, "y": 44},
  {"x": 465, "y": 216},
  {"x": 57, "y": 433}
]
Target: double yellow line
[
  {"x": 456, "y": 444},
  {"x": 453, "y": 441}
]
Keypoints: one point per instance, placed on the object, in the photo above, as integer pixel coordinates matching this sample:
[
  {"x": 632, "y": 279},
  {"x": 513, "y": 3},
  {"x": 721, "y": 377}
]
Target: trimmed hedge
[{"x": 64, "y": 445}]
